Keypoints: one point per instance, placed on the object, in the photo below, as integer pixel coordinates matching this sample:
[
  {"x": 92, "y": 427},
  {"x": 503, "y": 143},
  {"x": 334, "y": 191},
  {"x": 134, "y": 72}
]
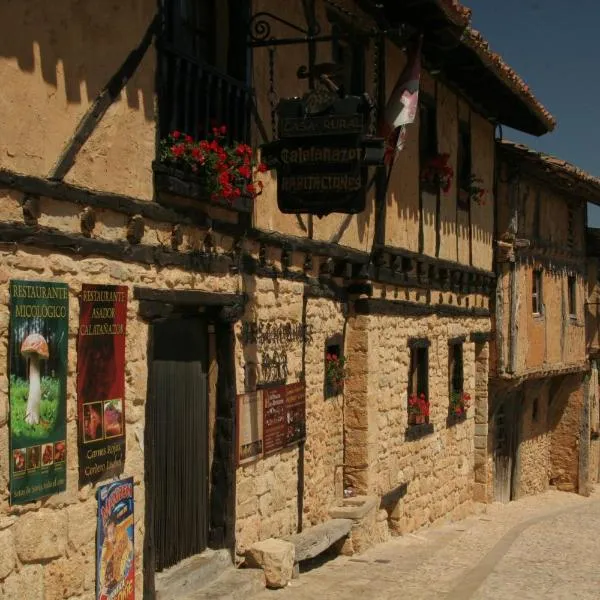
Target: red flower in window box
[
  {"x": 226, "y": 169},
  {"x": 418, "y": 409},
  {"x": 335, "y": 371},
  {"x": 437, "y": 173},
  {"x": 459, "y": 403}
]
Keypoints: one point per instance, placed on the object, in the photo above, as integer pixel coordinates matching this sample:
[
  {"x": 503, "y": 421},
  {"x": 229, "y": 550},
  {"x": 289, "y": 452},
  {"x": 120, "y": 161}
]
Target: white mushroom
[{"x": 34, "y": 348}]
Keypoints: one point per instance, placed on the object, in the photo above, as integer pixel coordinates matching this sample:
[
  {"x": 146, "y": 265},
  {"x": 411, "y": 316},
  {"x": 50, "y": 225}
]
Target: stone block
[
  {"x": 41, "y": 535},
  {"x": 276, "y": 558},
  {"x": 7, "y": 553},
  {"x": 27, "y": 583},
  {"x": 81, "y": 520},
  {"x": 64, "y": 578}
]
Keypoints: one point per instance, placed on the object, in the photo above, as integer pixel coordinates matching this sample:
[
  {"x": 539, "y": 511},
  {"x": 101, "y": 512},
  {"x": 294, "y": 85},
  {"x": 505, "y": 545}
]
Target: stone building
[
  {"x": 539, "y": 373},
  {"x": 227, "y": 297}
]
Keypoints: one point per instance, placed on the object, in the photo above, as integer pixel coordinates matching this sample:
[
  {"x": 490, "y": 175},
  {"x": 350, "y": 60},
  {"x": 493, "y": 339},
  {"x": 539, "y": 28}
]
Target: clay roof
[
  {"x": 570, "y": 178},
  {"x": 466, "y": 59}
]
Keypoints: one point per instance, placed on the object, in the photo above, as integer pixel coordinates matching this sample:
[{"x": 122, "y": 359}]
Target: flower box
[
  {"x": 415, "y": 432},
  {"x": 335, "y": 374},
  {"x": 211, "y": 169},
  {"x": 177, "y": 182}
]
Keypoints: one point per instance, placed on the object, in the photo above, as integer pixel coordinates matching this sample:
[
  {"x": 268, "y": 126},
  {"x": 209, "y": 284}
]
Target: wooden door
[
  {"x": 503, "y": 452},
  {"x": 177, "y": 450}
]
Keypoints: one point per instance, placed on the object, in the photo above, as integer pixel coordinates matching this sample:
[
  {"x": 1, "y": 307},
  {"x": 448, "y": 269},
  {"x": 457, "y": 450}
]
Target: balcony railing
[{"x": 195, "y": 97}]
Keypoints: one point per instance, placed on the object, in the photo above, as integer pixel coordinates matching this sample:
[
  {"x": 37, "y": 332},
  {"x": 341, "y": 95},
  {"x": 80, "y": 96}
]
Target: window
[
  {"x": 535, "y": 410},
  {"x": 418, "y": 383},
  {"x": 428, "y": 143},
  {"x": 572, "y": 283},
  {"x": 536, "y": 293},
  {"x": 350, "y": 58},
  {"x": 455, "y": 365},
  {"x": 334, "y": 366},
  {"x": 464, "y": 165}
]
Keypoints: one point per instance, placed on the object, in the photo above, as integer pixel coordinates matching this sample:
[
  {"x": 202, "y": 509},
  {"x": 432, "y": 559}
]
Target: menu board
[
  {"x": 274, "y": 420},
  {"x": 295, "y": 405},
  {"x": 249, "y": 427}
]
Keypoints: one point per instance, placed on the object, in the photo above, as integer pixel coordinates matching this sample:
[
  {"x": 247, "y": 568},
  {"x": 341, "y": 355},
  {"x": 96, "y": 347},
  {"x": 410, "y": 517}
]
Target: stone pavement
[{"x": 546, "y": 546}]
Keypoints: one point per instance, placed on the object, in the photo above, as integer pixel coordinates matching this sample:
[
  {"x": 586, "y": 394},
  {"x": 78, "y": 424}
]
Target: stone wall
[
  {"x": 437, "y": 468},
  {"x": 536, "y": 438},
  {"x": 267, "y": 490},
  {"x": 566, "y": 404},
  {"x": 47, "y": 548},
  {"x": 483, "y": 459}
]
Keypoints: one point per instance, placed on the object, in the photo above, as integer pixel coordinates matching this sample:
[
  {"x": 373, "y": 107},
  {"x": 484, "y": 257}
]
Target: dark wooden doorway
[
  {"x": 177, "y": 422},
  {"x": 505, "y": 446}
]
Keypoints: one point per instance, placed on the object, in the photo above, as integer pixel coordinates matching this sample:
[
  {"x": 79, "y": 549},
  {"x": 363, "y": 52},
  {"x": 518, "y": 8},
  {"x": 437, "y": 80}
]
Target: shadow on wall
[{"x": 78, "y": 45}]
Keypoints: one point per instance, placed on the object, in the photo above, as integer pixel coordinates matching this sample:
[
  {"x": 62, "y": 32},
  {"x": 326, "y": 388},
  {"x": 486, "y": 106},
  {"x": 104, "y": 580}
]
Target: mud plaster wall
[
  {"x": 438, "y": 468},
  {"x": 267, "y": 490},
  {"x": 355, "y": 231},
  {"x": 52, "y": 71},
  {"x": 551, "y": 339}
]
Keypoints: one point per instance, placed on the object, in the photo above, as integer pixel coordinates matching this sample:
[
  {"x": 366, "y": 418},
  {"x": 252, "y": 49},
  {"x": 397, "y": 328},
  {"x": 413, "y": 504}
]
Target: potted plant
[
  {"x": 418, "y": 409},
  {"x": 459, "y": 403},
  {"x": 225, "y": 171},
  {"x": 436, "y": 173},
  {"x": 473, "y": 191},
  {"x": 335, "y": 373}
]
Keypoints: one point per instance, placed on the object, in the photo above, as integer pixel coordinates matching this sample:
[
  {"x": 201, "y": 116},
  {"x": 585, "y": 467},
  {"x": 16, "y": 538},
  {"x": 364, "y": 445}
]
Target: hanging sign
[
  {"x": 274, "y": 419},
  {"x": 101, "y": 381},
  {"x": 39, "y": 330},
  {"x": 249, "y": 427},
  {"x": 115, "y": 558},
  {"x": 322, "y": 159}
]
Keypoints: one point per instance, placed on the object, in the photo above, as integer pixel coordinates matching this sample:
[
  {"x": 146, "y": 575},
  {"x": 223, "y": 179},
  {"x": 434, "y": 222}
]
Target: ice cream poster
[
  {"x": 39, "y": 327},
  {"x": 115, "y": 556},
  {"x": 101, "y": 381}
]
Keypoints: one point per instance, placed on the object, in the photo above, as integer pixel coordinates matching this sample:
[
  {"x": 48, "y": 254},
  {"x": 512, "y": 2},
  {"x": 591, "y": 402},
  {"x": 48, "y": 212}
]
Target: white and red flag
[{"x": 401, "y": 108}]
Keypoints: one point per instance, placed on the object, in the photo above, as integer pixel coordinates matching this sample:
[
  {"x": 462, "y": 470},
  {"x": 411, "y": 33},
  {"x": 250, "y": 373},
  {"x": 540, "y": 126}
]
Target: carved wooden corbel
[{"x": 135, "y": 229}]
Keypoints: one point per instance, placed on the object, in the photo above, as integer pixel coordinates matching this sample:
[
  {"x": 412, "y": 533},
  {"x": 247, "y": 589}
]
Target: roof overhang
[
  {"x": 463, "y": 58},
  {"x": 564, "y": 176}
]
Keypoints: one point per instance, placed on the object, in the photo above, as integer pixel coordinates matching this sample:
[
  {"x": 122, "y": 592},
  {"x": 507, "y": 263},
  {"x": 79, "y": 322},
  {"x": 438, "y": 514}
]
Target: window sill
[
  {"x": 453, "y": 420},
  {"x": 175, "y": 182},
  {"x": 416, "y": 432}
]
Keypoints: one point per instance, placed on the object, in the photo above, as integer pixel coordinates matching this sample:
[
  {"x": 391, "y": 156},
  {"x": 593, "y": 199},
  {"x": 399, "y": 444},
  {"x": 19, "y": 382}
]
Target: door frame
[
  {"x": 223, "y": 311},
  {"x": 512, "y": 403}
]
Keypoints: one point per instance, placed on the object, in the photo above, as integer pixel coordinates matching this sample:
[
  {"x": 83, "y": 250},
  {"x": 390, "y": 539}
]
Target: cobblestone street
[{"x": 540, "y": 547}]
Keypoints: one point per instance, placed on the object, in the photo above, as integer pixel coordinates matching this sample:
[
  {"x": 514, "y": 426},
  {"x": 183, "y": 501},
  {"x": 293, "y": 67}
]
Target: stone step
[
  {"x": 314, "y": 540},
  {"x": 233, "y": 584},
  {"x": 192, "y": 574}
]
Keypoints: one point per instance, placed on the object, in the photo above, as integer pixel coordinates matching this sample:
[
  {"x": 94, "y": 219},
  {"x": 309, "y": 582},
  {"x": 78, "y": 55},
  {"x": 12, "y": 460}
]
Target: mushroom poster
[
  {"x": 101, "y": 381},
  {"x": 39, "y": 330}
]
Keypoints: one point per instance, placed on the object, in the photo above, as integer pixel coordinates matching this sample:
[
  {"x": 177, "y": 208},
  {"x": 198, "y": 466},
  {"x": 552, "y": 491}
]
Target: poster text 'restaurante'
[{"x": 41, "y": 292}]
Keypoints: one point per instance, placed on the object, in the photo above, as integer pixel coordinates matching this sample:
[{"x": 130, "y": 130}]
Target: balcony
[{"x": 194, "y": 98}]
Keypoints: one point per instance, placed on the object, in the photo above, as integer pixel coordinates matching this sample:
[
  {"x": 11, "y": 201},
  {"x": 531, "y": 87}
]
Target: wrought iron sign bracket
[{"x": 260, "y": 32}]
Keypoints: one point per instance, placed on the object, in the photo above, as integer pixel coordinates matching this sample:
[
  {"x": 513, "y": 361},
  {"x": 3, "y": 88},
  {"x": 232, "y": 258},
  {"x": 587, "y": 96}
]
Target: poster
[
  {"x": 39, "y": 328},
  {"x": 295, "y": 405},
  {"x": 115, "y": 559},
  {"x": 101, "y": 381},
  {"x": 274, "y": 420},
  {"x": 250, "y": 427}
]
